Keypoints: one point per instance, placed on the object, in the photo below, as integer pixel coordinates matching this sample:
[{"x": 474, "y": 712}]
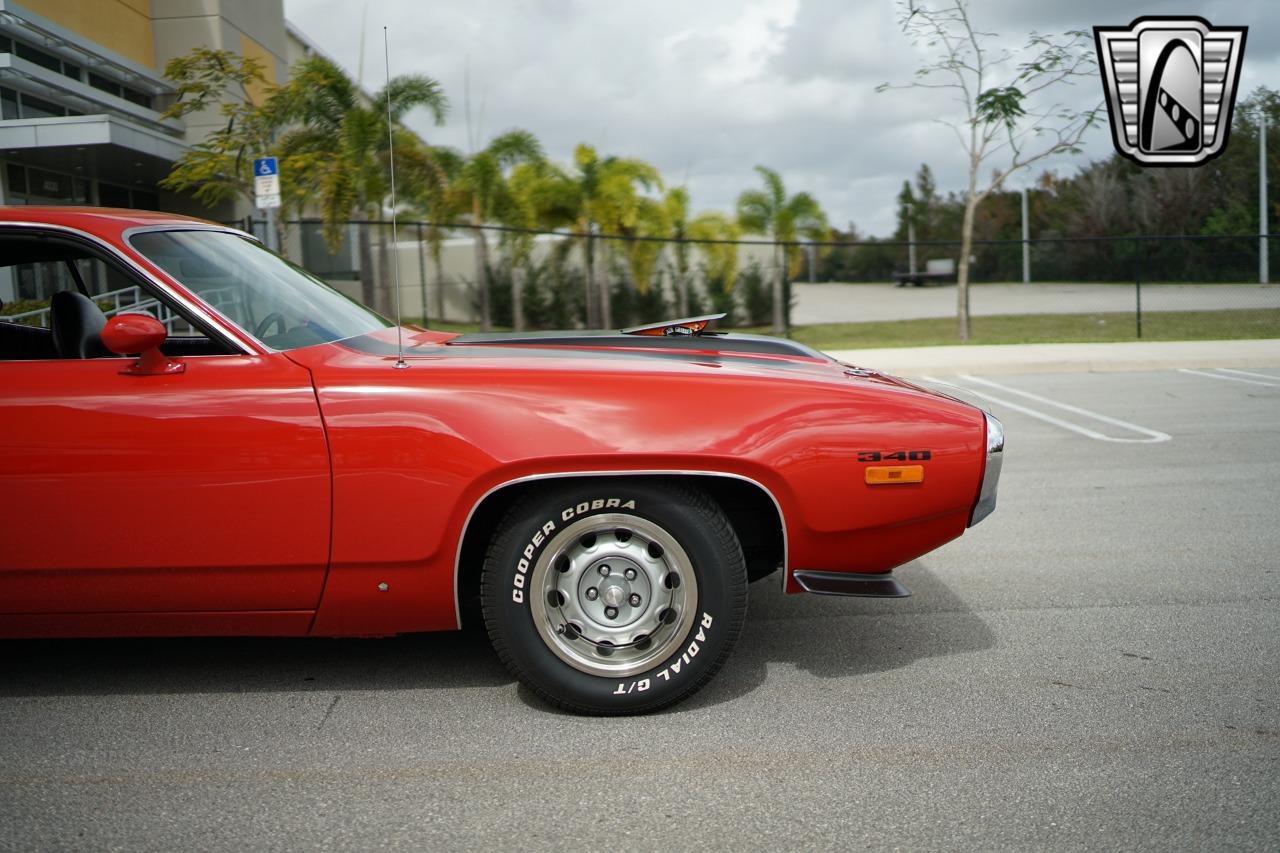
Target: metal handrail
[{"x": 129, "y": 300}]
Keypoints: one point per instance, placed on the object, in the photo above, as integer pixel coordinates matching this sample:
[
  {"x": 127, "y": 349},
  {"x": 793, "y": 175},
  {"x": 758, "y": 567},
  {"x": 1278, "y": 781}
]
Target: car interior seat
[{"x": 76, "y": 322}]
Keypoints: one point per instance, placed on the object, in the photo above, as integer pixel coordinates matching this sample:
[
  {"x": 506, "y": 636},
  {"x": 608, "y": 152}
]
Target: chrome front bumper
[{"x": 991, "y": 475}]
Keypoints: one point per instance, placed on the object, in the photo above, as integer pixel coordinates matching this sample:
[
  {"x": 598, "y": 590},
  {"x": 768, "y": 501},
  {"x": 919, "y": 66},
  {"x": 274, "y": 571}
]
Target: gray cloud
[{"x": 707, "y": 90}]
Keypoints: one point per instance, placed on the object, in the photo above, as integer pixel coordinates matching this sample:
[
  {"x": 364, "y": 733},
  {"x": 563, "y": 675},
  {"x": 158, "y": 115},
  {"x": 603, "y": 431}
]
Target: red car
[{"x": 199, "y": 438}]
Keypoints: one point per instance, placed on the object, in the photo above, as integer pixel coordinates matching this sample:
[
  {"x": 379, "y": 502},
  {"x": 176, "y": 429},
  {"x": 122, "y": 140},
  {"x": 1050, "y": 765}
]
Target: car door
[{"x": 202, "y": 491}]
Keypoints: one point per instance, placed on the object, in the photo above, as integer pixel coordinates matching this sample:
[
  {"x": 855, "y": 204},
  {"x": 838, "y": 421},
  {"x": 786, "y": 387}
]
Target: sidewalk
[
  {"x": 1066, "y": 358},
  {"x": 856, "y": 303}
]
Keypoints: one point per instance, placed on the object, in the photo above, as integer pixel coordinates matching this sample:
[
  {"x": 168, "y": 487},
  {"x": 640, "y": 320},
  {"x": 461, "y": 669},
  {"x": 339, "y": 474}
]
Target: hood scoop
[{"x": 675, "y": 328}]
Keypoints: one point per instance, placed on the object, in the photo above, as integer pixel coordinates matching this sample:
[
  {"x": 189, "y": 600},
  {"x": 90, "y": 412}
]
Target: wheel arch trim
[{"x": 564, "y": 475}]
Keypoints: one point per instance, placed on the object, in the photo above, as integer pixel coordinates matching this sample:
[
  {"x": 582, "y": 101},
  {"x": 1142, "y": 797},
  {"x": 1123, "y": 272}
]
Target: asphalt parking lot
[{"x": 1096, "y": 666}]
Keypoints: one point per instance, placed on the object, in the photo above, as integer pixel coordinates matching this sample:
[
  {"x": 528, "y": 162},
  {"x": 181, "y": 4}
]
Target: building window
[
  {"x": 17, "y": 179},
  {"x": 37, "y": 186},
  {"x": 110, "y": 195},
  {"x": 75, "y": 72},
  {"x": 40, "y": 108},
  {"x": 97, "y": 81},
  {"x": 39, "y": 57},
  {"x": 133, "y": 96},
  {"x": 49, "y": 184},
  {"x": 14, "y": 105}
]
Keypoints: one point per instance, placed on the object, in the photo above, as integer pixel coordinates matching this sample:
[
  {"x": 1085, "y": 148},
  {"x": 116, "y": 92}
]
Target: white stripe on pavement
[
  {"x": 1058, "y": 422},
  {"x": 1228, "y": 378},
  {"x": 1247, "y": 373},
  {"x": 1153, "y": 435}
]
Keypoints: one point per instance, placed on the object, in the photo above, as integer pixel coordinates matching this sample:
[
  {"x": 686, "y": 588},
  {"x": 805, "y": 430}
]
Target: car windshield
[{"x": 278, "y": 303}]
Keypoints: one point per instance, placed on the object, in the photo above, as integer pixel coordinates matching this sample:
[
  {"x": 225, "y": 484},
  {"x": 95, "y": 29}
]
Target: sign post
[{"x": 266, "y": 190}]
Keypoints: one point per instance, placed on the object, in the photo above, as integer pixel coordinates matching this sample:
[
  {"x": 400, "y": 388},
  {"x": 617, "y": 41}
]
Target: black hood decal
[{"x": 750, "y": 344}]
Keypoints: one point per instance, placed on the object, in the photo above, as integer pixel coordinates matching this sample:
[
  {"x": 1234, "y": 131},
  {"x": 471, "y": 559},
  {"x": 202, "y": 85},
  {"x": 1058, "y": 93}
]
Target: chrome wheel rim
[{"x": 613, "y": 594}]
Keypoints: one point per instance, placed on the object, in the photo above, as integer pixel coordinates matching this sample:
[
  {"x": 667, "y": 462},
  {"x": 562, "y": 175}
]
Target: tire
[{"x": 614, "y": 596}]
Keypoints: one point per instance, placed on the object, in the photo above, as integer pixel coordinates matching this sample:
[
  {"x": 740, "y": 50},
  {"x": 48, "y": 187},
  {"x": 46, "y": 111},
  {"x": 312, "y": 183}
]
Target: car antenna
[{"x": 391, "y": 151}]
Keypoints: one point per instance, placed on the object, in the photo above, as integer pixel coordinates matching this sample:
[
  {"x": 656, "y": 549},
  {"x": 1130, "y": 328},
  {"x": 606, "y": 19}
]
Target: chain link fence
[
  {"x": 536, "y": 279},
  {"x": 1150, "y": 286},
  {"x": 1121, "y": 286}
]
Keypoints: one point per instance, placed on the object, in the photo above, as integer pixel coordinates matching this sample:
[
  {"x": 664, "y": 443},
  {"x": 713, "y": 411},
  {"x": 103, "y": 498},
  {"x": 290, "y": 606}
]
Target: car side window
[{"x": 36, "y": 268}]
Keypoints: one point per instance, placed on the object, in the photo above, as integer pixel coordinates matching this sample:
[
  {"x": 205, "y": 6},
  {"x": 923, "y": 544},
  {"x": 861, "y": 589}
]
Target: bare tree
[
  {"x": 1009, "y": 121},
  {"x": 1171, "y": 201},
  {"x": 1105, "y": 204}
]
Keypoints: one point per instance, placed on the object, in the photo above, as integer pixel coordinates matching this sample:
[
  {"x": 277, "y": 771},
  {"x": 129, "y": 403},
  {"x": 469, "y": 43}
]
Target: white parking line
[
  {"x": 1230, "y": 378},
  {"x": 1153, "y": 436},
  {"x": 1247, "y": 373}
]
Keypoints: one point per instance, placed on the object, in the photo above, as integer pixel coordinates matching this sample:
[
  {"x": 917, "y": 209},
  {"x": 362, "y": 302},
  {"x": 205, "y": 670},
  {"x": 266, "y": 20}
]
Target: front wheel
[{"x": 614, "y": 596}]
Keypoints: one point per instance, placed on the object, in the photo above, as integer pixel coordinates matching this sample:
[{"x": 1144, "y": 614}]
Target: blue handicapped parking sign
[{"x": 264, "y": 166}]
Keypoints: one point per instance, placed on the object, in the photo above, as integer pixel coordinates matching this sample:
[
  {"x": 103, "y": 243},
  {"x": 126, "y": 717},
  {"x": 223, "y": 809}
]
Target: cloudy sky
[{"x": 706, "y": 90}]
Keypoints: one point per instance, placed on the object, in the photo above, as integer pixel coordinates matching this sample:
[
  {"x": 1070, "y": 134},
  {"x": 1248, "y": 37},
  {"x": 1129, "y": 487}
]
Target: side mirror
[{"x": 125, "y": 334}]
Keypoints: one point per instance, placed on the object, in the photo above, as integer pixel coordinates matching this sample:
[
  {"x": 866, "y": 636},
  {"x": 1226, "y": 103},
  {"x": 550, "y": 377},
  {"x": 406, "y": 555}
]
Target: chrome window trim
[
  {"x": 210, "y": 318},
  {"x": 560, "y": 475}
]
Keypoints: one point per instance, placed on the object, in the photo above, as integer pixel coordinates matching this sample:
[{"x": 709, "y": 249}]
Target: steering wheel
[{"x": 274, "y": 317}]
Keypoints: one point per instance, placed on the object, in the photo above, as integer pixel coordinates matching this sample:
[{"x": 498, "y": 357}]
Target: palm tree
[
  {"x": 651, "y": 220},
  {"x": 340, "y": 140},
  {"x": 429, "y": 175},
  {"x": 676, "y": 206},
  {"x": 720, "y": 258},
  {"x": 598, "y": 194},
  {"x": 482, "y": 181},
  {"x": 612, "y": 202},
  {"x": 525, "y": 211},
  {"x": 783, "y": 218}
]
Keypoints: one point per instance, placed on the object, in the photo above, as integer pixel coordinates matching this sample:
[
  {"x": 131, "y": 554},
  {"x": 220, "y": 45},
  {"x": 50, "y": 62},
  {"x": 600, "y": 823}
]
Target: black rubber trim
[{"x": 842, "y": 583}]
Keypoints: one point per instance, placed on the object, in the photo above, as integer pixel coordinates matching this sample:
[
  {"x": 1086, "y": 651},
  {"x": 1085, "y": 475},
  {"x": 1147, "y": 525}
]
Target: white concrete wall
[{"x": 418, "y": 276}]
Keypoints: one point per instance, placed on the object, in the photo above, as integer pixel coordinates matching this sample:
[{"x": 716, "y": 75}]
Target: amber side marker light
[{"x": 884, "y": 475}]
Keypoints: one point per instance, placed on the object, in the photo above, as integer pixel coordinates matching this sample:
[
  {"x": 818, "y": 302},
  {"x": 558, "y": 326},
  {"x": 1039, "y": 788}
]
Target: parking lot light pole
[
  {"x": 1026, "y": 240},
  {"x": 911, "y": 239},
  {"x": 1264, "y": 272},
  {"x": 1137, "y": 284}
]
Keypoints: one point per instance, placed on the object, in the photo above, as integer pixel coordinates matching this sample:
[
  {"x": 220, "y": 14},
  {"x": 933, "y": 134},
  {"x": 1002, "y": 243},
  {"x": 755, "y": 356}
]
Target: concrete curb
[{"x": 1066, "y": 358}]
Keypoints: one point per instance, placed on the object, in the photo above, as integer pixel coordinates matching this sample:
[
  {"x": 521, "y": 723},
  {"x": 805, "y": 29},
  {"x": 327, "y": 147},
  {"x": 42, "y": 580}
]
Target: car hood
[{"x": 597, "y": 352}]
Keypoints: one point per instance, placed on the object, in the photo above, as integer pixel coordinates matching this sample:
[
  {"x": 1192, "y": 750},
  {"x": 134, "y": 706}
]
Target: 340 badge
[{"x": 895, "y": 455}]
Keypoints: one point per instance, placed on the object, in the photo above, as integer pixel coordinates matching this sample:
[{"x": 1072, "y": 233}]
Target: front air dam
[{"x": 842, "y": 583}]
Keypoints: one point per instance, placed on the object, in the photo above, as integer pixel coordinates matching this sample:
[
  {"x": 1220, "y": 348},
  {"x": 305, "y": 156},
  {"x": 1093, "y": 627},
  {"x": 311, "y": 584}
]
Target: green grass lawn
[{"x": 1026, "y": 329}]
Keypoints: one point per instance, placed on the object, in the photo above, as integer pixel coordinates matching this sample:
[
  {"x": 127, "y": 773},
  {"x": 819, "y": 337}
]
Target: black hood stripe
[{"x": 756, "y": 344}]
